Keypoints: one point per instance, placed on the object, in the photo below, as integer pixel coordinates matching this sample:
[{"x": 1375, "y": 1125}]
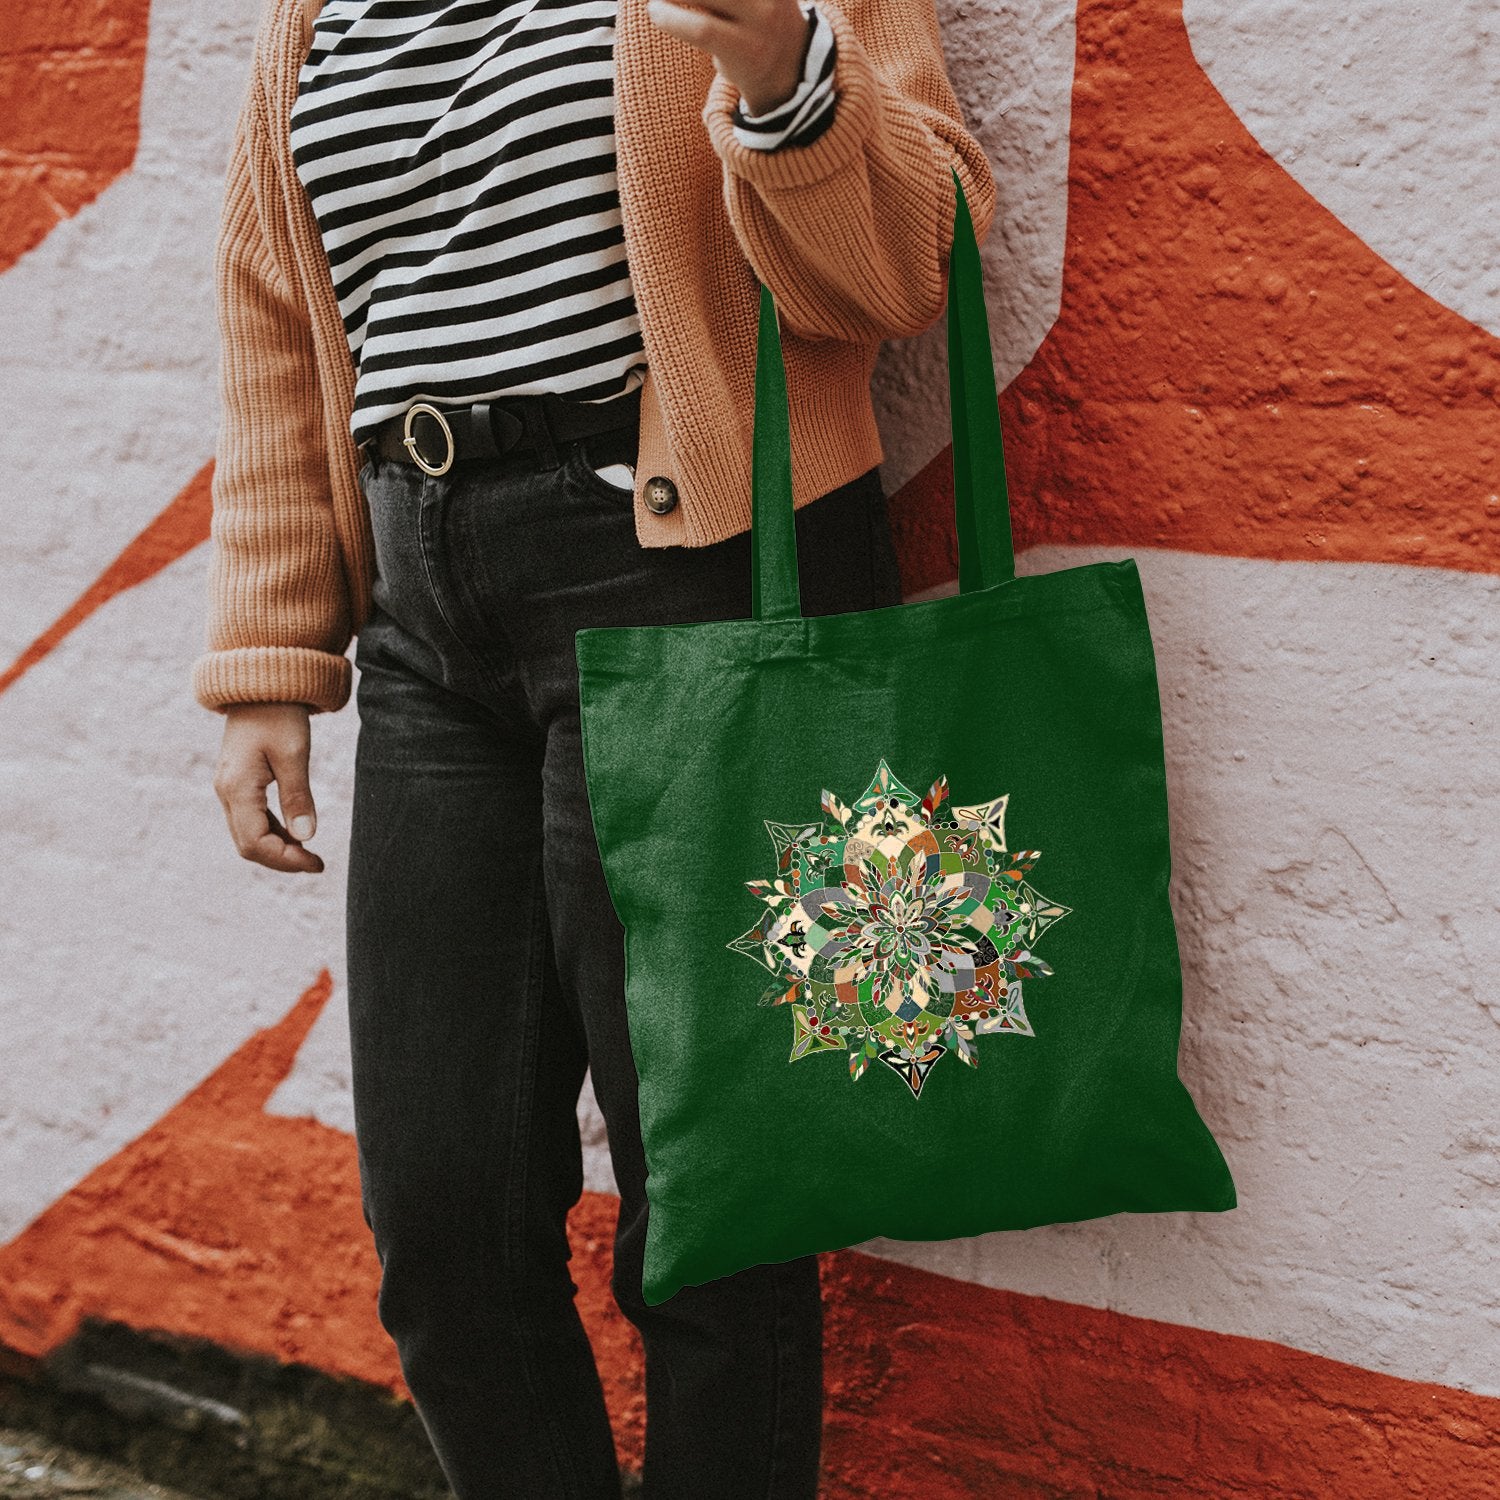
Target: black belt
[{"x": 437, "y": 437}]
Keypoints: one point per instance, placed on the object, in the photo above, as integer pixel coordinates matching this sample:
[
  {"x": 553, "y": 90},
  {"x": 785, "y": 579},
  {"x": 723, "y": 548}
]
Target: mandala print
[{"x": 901, "y": 930}]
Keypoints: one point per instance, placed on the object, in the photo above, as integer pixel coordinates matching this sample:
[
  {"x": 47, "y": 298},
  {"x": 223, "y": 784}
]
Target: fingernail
[{"x": 302, "y": 827}]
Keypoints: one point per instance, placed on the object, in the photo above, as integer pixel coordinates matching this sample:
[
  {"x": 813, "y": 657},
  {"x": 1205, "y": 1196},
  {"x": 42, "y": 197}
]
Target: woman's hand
[
  {"x": 758, "y": 45},
  {"x": 266, "y": 742}
]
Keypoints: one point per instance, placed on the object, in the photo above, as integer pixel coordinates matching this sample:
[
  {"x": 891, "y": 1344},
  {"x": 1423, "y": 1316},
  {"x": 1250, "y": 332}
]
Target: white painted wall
[
  {"x": 1388, "y": 113},
  {"x": 136, "y": 948},
  {"x": 1335, "y": 820}
]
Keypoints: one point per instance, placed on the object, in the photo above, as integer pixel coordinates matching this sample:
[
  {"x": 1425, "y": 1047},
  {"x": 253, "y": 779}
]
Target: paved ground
[{"x": 40, "y": 1469}]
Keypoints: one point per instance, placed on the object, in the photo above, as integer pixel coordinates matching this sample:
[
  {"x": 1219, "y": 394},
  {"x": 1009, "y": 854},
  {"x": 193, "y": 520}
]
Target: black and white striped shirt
[{"x": 459, "y": 158}]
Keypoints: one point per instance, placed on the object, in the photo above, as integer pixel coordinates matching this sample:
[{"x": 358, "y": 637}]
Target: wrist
[{"x": 773, "y": 95}]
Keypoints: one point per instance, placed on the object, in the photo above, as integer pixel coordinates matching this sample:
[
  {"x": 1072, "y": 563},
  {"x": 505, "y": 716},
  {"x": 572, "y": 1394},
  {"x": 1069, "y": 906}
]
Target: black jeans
[{"x": 486, "y": 974}]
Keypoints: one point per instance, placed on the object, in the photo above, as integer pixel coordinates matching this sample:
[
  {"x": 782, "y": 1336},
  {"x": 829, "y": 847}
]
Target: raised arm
[{"x": 852, "y": 231}]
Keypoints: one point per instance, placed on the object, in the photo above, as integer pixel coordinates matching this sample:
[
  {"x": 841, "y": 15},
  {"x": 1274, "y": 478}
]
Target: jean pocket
[{"x": 582, "y": 466}]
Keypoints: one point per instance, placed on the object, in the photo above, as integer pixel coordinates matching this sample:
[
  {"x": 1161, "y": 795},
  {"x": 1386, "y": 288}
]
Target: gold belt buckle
[{"x": 410, "y": 443}]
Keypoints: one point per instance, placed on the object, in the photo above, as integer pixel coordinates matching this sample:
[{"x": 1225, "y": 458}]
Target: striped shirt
[{"x": 459, "y": 159}]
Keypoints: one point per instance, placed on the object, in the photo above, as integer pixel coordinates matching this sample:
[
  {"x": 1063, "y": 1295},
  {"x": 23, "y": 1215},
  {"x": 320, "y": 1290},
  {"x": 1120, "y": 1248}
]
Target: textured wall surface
[
  {"x": 1387, "y": 119},
  {"x": 1300, "y": 445},
  {"x": 1245, "y": 306}
]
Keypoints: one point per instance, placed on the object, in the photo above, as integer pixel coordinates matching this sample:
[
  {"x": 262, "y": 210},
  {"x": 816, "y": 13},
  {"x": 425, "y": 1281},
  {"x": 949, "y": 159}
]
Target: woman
[{"x": 488, "y": 279}]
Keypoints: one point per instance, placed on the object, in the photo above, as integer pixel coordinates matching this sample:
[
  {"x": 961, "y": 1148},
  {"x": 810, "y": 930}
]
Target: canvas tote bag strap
[{"x": 981, "y": 499}]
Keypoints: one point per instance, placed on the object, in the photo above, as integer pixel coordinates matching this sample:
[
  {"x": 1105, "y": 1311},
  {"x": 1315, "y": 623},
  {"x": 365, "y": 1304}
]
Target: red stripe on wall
[
  {"x": 70, "y": 111},
  {"x": 227, "y": 1223},
  {"x": 174, "y": 532},
  {"x": 942, "y": 1389},
  {"x": 1233, "y": 371}
]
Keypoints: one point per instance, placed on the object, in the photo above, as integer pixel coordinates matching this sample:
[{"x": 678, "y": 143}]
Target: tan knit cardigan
[{"x": 851, "y": 233}]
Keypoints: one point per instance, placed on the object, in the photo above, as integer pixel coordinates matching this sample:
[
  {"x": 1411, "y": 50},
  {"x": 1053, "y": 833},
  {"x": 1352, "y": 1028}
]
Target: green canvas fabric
[{"x": 900, "y": 958}]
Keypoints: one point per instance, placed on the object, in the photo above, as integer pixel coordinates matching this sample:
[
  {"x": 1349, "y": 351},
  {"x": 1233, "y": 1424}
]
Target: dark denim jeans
[{"x": 486, "y": 974}]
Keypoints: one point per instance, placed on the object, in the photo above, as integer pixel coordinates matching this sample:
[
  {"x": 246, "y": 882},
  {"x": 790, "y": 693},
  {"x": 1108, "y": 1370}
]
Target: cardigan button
[{"x": 661, "y": 495}]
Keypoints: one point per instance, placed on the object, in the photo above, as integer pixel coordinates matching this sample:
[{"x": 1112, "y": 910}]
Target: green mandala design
[{"x": 901, "y": 930}]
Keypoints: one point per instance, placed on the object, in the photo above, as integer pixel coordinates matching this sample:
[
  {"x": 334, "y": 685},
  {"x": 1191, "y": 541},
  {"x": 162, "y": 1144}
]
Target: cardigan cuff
[
  {"x": 855, "y": 83},
  {"x": 273, "y": 674}
]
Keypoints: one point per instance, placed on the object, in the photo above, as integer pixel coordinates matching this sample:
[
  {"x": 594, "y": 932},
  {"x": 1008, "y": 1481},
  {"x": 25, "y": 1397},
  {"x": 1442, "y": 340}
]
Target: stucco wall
[{"x": 1246, "y": 303}]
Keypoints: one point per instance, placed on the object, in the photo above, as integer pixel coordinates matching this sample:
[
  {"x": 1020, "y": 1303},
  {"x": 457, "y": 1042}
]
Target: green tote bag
[{"x": 899, "y": 955}]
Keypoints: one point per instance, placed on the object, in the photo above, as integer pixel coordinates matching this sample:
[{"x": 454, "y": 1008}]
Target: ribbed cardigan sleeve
[
  {"x": 278, "y": 606},
  {"x": 852, "y": 232}
]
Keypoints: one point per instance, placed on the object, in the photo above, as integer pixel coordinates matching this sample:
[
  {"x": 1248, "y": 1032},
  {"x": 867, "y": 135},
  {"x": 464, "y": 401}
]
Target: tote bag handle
[{"x": 981, "y": 500}]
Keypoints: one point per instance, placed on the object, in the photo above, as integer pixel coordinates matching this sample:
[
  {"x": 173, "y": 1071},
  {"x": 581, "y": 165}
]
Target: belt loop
[
  {"x": 482, "y": 428},
  {"x": 539, "y": 429}
]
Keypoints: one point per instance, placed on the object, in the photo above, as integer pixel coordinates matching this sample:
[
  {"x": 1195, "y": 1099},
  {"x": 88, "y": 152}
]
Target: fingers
[
  {"x": 757, "y": 44},
  {"x": 262, "y": 746},
  {"x": 707, "y": 29},
  {"x": 293, "y": 856},
  {"x": 293, "y": 791}
]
